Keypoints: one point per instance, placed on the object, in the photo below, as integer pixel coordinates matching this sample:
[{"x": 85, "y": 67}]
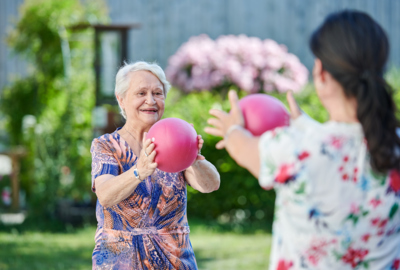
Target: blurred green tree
[{"x": 49, "y": 111}]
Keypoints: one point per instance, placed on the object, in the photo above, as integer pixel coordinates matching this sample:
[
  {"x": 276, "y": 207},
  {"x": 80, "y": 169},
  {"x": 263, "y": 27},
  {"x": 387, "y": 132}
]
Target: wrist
[
  {"x": 136, "y": 173},
  {"x": 230, "y": 130}
]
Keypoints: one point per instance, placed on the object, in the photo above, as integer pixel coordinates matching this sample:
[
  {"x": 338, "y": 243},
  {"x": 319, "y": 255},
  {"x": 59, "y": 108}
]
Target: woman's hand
[
  {"x": 224, "y": 121},
  {"x": 295, "y": 110},
  {"x": 146, "y": 164}
]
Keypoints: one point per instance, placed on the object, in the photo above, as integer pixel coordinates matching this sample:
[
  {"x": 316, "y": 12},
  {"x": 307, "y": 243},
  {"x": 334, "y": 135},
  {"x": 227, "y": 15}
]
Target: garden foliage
[{"x": 49, "y": 111}]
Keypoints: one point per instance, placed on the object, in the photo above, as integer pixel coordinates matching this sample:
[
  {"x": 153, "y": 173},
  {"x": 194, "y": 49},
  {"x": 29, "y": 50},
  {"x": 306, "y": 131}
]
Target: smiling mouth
[{"x": 149, "y": 110}]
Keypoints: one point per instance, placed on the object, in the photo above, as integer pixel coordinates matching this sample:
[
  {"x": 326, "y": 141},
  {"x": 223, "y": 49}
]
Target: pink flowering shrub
[{"x": 251, "y": 64}]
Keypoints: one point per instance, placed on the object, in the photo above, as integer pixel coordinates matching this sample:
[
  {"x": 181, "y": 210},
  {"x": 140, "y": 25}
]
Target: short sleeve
[
  {"x": 278, "y": 152},
  {"x": 103, "y": 161}
]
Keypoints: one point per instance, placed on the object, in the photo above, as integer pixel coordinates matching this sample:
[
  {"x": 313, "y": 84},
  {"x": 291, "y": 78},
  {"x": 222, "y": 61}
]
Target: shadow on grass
[
  {"x": 202, "y": 260},
  {"x": 40, "y": 256},
  {"x": 239, "y": 228}
]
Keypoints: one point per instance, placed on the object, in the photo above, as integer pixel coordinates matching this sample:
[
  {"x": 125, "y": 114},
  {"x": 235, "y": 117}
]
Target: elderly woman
[{"x": 141, "y": 211}]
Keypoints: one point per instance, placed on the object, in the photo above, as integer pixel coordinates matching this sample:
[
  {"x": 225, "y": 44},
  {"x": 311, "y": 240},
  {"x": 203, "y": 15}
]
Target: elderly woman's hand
[
  {"x": 146, "y": 164},
  {"x": 200, "y": 145},
  {"x": 201, "y": 142}
]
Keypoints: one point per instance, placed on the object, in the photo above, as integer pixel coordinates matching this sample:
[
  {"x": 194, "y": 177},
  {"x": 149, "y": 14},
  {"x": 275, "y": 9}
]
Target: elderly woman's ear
[{"x": 121, "y": 103}]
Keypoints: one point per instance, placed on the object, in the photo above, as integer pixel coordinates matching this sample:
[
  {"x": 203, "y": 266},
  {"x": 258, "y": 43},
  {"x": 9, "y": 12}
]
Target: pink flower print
[
  {"x": 284, "y": 265},
  {"x": 317, "y": 250},
  {"x": 375, "y": 221},
  {"x": 365, "y": 237},
  {"x": 354, "y": 256},
  {"x": 383, "y": 223},
  {"x": 395, "y": 265},
  {"x": 355, "y": 174},
  {"x": 303, "y": 155},
  {"x": 337, "y": 142},
  {"x": 346, "y": 172},
  {"x": 380, "y": 224},
  {"x": 395, "y": 180},
  {"x": 285, "y": 173},
  {"x": 375, "y": 202},
  {"x": 354, "y": 209}
]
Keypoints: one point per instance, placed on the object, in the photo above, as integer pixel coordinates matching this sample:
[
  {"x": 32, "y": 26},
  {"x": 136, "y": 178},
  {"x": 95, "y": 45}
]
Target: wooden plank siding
[
  {"x": 11, "y": 65},
  {"x": 168, "y": 24}
]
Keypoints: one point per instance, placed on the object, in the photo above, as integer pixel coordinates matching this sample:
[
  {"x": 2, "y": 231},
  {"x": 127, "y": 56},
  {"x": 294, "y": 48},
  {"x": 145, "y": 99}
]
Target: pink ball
[
  {"x": 262, "y": 113},
  {"x": 176, "y": 144}
]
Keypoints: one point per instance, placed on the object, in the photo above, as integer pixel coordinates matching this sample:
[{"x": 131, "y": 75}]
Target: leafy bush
[{"x": 49, "y": 112}]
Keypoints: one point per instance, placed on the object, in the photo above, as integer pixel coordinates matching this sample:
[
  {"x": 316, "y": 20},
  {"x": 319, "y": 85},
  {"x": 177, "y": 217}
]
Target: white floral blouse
[{"x": 332, "y": 211}]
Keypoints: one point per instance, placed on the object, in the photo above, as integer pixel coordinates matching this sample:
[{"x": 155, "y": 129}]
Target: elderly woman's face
[{"x": 144, "y": 101}]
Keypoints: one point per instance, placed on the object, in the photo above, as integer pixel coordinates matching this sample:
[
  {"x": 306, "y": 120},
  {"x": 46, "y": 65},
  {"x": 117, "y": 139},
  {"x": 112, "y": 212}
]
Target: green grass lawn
[
  {"x": 227, "y": 250},
  {"x": 45, "y": 250}
]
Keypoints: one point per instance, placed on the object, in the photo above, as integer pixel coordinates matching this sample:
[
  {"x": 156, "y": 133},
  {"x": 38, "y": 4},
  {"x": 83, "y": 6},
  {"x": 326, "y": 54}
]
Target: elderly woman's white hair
[{"x": 122, "y": 80}]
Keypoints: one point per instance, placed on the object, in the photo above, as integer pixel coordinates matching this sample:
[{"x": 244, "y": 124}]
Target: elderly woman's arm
[
  {"x": 203, "y": 176},
  {"x": 111, "y": 190}
]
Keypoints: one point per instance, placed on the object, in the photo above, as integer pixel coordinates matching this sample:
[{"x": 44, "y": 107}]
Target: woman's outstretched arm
[{"x": 241, "y": 145}]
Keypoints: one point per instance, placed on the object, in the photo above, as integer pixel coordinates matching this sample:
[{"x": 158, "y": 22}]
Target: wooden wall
[{"x": 167, "y": 24}]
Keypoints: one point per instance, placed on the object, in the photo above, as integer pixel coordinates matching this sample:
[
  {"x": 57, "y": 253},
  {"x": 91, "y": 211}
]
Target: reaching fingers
[
  {"x": 214, "y": 131},
  {"x": 220, "y": 145},
  {"x": 293, "y": 106},
  {"x": 233, "y": 100},
  {"x": 214, "y": 122},
  {"x": 218, "y": 113}
]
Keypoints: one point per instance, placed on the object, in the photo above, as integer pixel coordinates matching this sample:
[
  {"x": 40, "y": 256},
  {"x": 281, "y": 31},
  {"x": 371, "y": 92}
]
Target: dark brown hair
[{"x": 354, "y": 49}]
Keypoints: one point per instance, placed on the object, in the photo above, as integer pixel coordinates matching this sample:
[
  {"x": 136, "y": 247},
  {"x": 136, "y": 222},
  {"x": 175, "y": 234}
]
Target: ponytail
[
  {"x": 376, "y": 113},
  {"x": 353, "y": 48}
]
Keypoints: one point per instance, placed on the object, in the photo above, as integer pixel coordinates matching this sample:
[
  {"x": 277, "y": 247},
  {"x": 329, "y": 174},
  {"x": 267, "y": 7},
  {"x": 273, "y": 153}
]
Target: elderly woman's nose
[{"x": 150, "y": 98}]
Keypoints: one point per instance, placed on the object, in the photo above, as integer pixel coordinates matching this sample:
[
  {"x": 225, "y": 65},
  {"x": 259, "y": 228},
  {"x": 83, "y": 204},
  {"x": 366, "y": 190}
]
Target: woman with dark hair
[{"x": 338, "y": 183}]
